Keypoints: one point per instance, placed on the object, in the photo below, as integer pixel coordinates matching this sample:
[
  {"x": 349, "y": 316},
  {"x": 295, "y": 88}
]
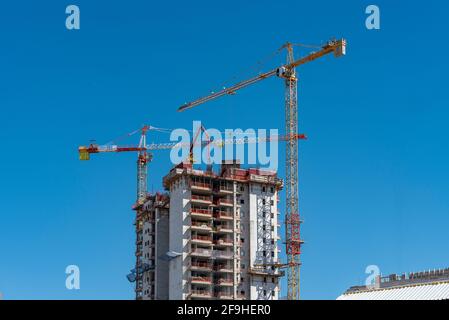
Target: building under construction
[
  {"x": 197, "y": 221},
  {"x": 152, "y": 226},
  {"x": 213, "y": 236}
]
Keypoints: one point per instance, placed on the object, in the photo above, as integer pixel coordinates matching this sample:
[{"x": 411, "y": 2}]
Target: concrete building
[
  {"x": 223, "y": 233},
  {"x": 428, "y": 285},
  {"x": 215, "y": 236},
  {"x": 151, "y": 271}
]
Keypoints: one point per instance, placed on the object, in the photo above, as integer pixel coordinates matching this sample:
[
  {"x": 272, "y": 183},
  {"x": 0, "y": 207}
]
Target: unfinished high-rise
[
  {"x": 220, "y": 234},
  {"x": 152, "y": 226}
]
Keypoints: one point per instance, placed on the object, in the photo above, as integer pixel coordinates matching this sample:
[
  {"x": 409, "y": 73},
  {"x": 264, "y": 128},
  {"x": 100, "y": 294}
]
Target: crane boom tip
[{"x": 183, "y": 107}]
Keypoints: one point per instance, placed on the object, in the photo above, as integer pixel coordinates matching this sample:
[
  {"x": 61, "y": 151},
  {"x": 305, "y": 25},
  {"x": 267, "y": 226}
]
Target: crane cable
[{"x": 257, "y": 67}]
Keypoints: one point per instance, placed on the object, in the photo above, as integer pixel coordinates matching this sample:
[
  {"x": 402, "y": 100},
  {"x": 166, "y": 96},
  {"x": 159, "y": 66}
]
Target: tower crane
[
  {"x": 144, "y": 156},
  {"x": 287, "y": 72}
]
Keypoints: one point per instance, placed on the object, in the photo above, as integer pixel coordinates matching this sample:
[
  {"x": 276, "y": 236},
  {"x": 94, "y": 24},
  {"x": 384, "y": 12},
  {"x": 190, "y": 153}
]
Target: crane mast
[
  {"x": 142, "y": 167},
  {"x": 292, "y": 217}
]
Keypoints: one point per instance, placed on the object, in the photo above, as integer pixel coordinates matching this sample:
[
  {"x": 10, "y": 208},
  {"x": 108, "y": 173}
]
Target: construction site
[
  {"x": 214, "y": 232},
  {"x": 221, "y": 232},
  {"x": 210, "y": 159}
]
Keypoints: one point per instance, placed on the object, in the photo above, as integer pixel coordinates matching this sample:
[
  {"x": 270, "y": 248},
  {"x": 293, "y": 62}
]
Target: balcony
[
  {"x": 224, "y": 296},
  {"x": 223, "y": 269},
  {"x": 201, "y": 226},
  {"x": 201, "y": 266},
  {"x": 202, "y": 187},
  {"x": 225, "y": 190},
  {"x": 201, "y": 213},
  {"x": 198, "y": 252},
  {"x": 201, "y": 199},
  {"x": 197, "y": 239},
  {"x": 218, "y": 254},
  {"x": 224, "y": 229},
  {"x": 225, "y": 203},
  {"x": 225, "y": 282},
  {"x": 201, "y": 280},
  {"x": 223, "y": 243},
  {"x": 200, "y": 294},
  {"x": 224, "y": 215}
]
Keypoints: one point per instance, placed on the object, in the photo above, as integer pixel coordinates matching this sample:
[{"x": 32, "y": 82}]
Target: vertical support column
[
  {"x": 142, "y": 174},
  {"x": 236, "y": 240},
  {"x": 292, "y": 218},
  {"x": 139, "y": 246},
  {"x": 268, "y": 233},
  {"x": 156, "y": 253}
]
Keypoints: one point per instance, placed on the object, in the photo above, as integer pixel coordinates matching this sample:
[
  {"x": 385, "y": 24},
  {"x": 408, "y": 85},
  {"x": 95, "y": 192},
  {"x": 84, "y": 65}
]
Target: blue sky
[{"x": 374, "y": 178}]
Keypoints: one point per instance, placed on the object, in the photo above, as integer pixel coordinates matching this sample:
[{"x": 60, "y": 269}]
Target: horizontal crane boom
[
  {"x": 338, "y": 47},
  {"x": 84, "y": 151}
]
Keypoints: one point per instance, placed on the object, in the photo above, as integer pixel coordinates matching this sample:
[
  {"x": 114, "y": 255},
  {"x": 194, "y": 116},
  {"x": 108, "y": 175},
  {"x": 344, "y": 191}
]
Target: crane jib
[{"x": 336, "y": 47}]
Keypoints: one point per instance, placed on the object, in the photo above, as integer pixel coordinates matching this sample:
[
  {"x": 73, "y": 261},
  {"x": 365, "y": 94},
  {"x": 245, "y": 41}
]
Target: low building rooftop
[{"x": 427, "y": 285}]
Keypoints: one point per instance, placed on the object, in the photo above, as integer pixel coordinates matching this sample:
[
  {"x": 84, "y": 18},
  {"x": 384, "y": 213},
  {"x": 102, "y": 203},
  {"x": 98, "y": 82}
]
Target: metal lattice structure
[
  {"x": 292, "y": 217},
  {"x": 142, "y": 167},
  {"x": 265, "y": 239}
]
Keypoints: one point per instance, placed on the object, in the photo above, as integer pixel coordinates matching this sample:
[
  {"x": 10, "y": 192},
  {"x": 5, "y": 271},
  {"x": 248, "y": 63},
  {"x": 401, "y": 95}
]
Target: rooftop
[
  {"x": 427, "y": 285},
  {"x": 228, "y": 171}
]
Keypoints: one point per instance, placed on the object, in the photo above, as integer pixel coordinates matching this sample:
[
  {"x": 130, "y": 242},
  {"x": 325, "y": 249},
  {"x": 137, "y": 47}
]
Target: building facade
[
  {"x": 151, "y": 270},
  {"x": 223, "y": 233}
]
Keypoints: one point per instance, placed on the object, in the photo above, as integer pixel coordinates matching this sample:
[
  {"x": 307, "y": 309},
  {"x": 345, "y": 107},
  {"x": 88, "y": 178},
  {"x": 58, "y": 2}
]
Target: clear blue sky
[{"x": 374, "y": 177}]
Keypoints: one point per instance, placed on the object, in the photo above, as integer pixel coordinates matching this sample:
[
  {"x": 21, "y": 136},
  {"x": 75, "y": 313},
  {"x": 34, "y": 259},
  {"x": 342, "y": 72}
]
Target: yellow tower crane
[{"x": 292, "y": 217}]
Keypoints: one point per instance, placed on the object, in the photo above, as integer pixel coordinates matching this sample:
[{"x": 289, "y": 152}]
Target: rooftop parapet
[
  {"x": 406, "y": 279},
  {"x": 228, "y": 171}
]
